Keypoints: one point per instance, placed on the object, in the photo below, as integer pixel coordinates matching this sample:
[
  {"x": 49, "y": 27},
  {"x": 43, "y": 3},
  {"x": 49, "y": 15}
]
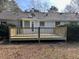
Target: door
[{"x": 32, "y": 26}]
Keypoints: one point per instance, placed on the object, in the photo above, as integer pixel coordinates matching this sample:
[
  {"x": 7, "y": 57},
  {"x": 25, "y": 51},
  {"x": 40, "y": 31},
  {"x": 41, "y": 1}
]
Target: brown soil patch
[{"x": 40, "y": 51}]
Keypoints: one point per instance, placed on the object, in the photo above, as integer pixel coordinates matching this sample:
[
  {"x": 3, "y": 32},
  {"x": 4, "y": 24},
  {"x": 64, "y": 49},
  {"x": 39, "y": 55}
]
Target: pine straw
[{"x": 40, "y": 51}]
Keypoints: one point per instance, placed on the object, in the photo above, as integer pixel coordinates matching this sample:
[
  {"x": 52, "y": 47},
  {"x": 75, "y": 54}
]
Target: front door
[{"x": 32, "y": 26}]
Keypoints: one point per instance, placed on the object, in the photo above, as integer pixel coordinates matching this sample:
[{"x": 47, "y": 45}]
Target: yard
[{"x": 40, "y": 51}]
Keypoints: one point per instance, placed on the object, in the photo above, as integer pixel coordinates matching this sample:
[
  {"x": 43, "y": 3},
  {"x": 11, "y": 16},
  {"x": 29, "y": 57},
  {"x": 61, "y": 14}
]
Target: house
[
  {"x": 27, "y": 24},
  {"x": 39, "y": 19},
  {"x": 33, "y": 20},
  {"x": 49, "y": 20}
]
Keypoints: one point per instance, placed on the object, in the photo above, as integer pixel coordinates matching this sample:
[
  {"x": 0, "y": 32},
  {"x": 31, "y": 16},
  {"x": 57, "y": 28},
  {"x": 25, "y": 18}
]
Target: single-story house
[{"x": 31, "y": 21}]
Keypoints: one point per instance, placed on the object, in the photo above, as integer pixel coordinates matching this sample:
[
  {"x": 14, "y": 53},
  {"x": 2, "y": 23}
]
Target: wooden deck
[
  {"x": 58, "y": 34},
  {"x": 35, "y": 37}
]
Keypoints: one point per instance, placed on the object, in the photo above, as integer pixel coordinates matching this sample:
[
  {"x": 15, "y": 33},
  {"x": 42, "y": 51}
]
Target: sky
[{"x": 60, "y": 4}]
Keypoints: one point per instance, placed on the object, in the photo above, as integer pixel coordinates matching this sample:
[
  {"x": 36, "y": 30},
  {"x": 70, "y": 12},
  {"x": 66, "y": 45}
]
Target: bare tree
[
  {"x": 9, "y": 5},
  {"x": 73, "y": 7},
  {"x": 1, "y": 5},
  {"x": 53, "y": 8},
  {"x": 38, "y": 4},
  {"x": 70, "y": 9}
]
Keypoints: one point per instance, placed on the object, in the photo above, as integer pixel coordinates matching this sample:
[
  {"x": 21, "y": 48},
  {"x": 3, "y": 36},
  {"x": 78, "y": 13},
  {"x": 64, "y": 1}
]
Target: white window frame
[
  {"x": 26, "y": 25},
  {"x": 43, "y": 24}
]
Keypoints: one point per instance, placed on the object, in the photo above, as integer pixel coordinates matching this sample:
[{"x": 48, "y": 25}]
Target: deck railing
[
  {"x": 38, "y": 32},
  {"x": 43, "y": 30}
]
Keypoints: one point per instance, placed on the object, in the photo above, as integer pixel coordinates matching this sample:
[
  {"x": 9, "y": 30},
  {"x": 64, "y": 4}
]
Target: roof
[
  {"x": 40, "y": 16},
  {"x": 53, "y": 17},
  {"x": 12, "y": 16},
  {"x": 56, "y": 16}
]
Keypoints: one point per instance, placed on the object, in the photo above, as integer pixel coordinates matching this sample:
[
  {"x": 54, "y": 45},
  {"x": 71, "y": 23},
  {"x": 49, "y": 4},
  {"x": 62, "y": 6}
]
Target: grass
[{"x": 40, "y": 51}]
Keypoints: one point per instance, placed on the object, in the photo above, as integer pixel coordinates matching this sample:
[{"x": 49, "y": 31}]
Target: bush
[
  {"x": 73, "y": 32},
  {"x": 12, "y": 25},
  {"x": 3, "y": 30}
]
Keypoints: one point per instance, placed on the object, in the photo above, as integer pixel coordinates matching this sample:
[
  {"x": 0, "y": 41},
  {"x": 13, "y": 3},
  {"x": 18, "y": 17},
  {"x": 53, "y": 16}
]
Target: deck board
[{"x": 35, "y": 37}]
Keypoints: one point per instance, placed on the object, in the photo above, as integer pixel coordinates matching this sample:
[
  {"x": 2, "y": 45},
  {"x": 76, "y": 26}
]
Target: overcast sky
[{"x": 60, "y": 4}]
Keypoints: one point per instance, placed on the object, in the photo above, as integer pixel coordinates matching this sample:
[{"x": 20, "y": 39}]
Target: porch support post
[
  {"x": 39, "y": 34},
  {"x": 23, "y": 24}
]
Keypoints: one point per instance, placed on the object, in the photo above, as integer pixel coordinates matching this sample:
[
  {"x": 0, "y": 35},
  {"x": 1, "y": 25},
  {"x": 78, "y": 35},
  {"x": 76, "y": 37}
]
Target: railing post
[{"x": 39, "y": 34}]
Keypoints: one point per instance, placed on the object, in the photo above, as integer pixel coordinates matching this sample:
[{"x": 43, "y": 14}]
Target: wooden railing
[
  {"x": 13, "y": 31},
  {"x": 39, "y": 32},
  {"x": 62, "y": 31}
]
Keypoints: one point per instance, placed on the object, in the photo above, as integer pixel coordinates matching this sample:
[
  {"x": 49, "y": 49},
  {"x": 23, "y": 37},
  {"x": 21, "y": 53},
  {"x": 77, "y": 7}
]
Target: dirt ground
[{"x": 40, "y": 51}]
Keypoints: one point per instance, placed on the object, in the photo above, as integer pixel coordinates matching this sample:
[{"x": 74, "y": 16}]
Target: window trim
[
  {"x": 43, "y": 23},
  {"x": 25, "y": 22},
  {"x": 57, "y": 23}
]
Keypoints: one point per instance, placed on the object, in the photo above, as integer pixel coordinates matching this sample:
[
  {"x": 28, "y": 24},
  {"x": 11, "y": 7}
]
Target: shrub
[
  {"x": 3, "y": 30},
  {"x": 12, "y": 25},
  {"x": 73, "y": 32}
]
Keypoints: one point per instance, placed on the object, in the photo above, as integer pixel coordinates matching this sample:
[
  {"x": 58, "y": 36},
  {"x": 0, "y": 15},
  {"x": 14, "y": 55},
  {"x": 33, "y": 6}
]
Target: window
[
  {"x": 26, "y": 23},
  {"x": 3, "y": 22},
  {"x": 20, "y": 23},
  {"x": 42, "y": 23},
  {"x": 57, "y": 23}
]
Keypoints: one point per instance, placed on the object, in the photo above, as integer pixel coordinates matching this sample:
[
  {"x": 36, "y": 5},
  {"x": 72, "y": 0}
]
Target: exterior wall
[
  {"x": 14, "y": 22},
  {"x": 62, "y": 23},
  {"x": 48, "y": 28},
  {"x": 49, "y": 24},
  {"x": 36, "y": 23}
]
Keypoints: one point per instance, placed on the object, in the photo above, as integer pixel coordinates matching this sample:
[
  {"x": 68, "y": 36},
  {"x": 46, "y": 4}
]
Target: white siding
[
  {"x": 36, "y": 24},
  {"x": 62, "y": 23},
  {"x": 49, "y": 24},
  {"x": 43, "y": 30},
  {"x": 13, "y": 22}
]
